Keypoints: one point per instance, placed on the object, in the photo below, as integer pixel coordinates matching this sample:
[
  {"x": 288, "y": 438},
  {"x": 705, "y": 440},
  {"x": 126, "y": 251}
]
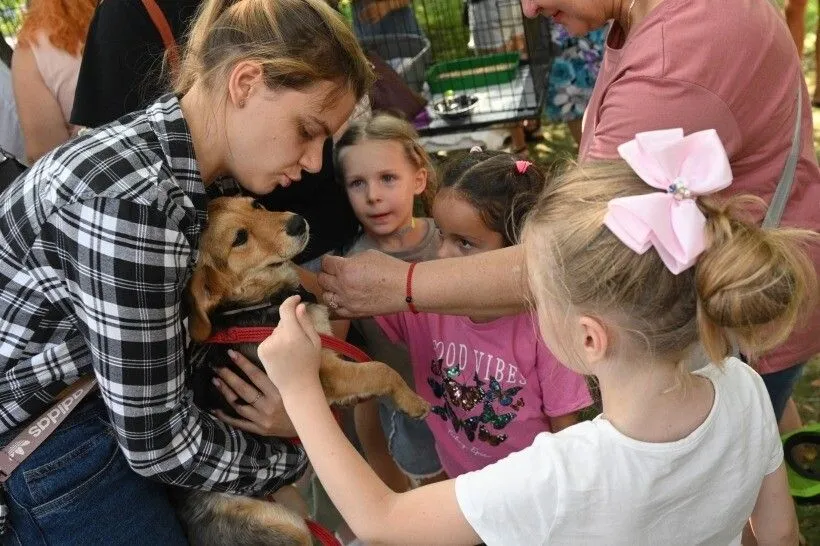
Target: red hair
[{"x": 64, "y": 22}]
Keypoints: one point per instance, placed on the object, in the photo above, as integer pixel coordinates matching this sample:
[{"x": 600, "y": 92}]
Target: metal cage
[{"x": 477, "y": 62}]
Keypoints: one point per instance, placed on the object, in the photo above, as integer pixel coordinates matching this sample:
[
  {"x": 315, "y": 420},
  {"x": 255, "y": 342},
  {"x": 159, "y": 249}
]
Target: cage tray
[{"x": 473, "y": 72}]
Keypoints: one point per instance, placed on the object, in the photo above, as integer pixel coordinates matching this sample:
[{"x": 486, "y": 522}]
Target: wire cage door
[{"x": 477, "y": 62}]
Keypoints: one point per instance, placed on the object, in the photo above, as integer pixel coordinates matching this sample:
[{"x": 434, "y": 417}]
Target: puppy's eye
[
  {"x": 241, "y": 237},
  {"x": 257, "y": 205}
]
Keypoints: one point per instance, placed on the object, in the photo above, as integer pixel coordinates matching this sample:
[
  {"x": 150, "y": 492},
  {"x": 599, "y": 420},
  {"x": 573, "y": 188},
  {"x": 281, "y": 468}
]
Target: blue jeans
[
  {"x": 410, "y": 442},
  {"x": 77, "y": 488}
]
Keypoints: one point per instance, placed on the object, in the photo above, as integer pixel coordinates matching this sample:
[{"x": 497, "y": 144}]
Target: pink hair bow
[{"x": 684, "y": 167}]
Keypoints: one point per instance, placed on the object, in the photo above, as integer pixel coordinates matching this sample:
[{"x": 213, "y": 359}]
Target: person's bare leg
[
  {"x": 376, "y": 452},
  {"x": 748, "y": 537},
  {"x": 796, "y": 20},
  {"x": 790, "y": 420},
  {"x": 518, "y": 139},
  {"x": 575, "y": 127}
]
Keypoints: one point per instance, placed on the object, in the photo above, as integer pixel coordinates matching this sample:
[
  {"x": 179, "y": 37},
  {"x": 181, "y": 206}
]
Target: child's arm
[
  {"x": 774, "y": 521},
  {"x": 428, "y": 515},
  {"x": 560, "y": 422}
]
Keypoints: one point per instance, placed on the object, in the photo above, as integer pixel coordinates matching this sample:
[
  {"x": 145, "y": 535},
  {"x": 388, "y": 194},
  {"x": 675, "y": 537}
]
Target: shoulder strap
[
  {"x": 784, "y": 186},
  {"x": 164, "y": 29},
  {"x": 24, "y": 444}
]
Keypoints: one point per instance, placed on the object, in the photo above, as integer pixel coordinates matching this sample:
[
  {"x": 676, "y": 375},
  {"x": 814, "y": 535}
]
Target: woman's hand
[
  {"x": 264, "y": 413},
  {"x": 367, "y": 284},
  {"x": 291, "y": 354}
]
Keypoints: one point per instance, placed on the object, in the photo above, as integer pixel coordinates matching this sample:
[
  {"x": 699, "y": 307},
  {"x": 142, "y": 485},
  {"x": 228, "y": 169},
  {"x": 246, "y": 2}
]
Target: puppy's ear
[{"x": 205, "y": 290}]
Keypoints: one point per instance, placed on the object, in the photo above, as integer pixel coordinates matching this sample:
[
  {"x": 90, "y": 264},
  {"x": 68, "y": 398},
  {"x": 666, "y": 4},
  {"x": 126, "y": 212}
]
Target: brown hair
[
  {"x": 393, "y": 129},
  {"x": 491, "y": 182},
  {"x": 749, "y": 286},
  {"x": 64, "y": 22},
  {"x": 297, "y": 42}
]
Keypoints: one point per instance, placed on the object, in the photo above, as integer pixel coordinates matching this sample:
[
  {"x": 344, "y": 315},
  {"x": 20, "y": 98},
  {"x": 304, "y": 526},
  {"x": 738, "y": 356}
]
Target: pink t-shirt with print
[
  {"x": 730, "y": 66},
  {"x": 492, "y": 385}
]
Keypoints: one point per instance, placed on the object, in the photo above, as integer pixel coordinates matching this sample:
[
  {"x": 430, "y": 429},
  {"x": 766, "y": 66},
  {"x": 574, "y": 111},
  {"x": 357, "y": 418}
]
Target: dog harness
[{"x": 256, "y": 334}]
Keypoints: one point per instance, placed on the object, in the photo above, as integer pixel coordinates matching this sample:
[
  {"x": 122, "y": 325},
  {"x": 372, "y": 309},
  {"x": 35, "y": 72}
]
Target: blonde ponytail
[{"x": 753, "y": 284}]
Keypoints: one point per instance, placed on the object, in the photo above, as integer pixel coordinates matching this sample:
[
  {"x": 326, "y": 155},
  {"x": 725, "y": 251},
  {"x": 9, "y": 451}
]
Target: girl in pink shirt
[{"x": 491, "y": 381}]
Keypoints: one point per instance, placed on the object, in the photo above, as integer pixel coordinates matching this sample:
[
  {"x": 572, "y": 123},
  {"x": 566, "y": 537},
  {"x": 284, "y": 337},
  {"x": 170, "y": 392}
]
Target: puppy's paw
[{"x": 413, "y": 405}]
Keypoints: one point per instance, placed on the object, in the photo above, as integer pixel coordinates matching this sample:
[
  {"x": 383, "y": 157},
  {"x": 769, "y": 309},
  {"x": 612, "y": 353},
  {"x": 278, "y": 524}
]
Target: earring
[{"x": 242, "y": 103}]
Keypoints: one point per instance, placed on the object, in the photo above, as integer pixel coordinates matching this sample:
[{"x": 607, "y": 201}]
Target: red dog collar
[{"x": 257, "y": 334}]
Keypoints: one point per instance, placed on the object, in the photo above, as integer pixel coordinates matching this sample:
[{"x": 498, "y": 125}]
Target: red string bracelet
[{"x": 409, "y": 290}]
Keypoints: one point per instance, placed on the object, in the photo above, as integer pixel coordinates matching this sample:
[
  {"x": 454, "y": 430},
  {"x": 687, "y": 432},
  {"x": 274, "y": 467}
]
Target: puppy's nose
[{"x": 296, "y": 226}]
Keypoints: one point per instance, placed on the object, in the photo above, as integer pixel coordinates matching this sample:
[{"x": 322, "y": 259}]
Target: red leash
[
  {"x": 257, "y": 334},
  {"x": 325, "y": 537}
]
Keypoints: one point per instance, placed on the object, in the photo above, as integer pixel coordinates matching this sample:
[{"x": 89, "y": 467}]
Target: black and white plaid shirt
[{"x": 97, "y": 243}]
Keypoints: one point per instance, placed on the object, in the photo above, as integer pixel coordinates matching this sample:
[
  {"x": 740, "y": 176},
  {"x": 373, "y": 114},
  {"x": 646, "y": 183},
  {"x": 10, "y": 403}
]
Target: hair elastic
[
  {"x": 476, "y": 150},
  {"x": 521, "y": 166},
  {"x": 408, "y": 290}
]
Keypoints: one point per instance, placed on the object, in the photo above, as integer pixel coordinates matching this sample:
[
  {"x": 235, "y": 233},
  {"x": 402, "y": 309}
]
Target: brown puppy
[{"x": 244, "y": 271}]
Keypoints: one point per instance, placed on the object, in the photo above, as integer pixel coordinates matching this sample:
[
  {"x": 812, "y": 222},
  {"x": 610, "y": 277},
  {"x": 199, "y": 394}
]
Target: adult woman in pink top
[
  {"x": 44, "y": 70},
  {"x": 695, "y": 64}
]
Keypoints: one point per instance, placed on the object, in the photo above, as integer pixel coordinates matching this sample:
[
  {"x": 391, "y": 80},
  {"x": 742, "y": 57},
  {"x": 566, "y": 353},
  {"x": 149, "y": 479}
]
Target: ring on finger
[{"x": 258, "y": 396}]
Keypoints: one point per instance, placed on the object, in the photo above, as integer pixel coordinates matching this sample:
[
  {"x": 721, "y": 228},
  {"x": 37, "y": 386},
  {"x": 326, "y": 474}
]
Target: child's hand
[{"x": 291, "y": 354}]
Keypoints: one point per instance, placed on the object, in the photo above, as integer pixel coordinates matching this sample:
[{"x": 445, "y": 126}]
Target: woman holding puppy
[{"x": 98, "y": 242}]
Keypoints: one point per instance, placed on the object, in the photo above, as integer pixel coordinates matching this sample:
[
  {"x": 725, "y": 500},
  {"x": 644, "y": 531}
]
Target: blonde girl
[
  {"x": 98, "y": 242},
  {"x": 383, "y": 169},
  {"x": 387, "y": 174},
  {"x": 626, "y": 279}
]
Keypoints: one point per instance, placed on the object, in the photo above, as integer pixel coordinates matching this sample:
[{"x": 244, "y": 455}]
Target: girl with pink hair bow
[{"x": 632, "y": 267}]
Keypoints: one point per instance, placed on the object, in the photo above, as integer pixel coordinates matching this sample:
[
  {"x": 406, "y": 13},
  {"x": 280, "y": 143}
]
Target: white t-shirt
[{"x": 590, "y": 484}]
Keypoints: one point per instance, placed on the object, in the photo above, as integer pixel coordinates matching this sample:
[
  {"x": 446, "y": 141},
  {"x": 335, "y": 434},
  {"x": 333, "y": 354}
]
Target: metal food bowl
[{"x": 455, "y": 106}]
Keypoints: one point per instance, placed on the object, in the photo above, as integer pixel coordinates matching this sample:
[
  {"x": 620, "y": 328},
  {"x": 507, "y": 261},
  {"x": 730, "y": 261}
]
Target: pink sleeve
[
  {"x": 562, "y": 390},
  {"x": 394, "y": 327},
  {"x": 636, "y": 104}
]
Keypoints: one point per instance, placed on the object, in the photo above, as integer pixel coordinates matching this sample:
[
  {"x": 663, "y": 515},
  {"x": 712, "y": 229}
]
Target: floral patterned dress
[{"x": 573, "y": 72}]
